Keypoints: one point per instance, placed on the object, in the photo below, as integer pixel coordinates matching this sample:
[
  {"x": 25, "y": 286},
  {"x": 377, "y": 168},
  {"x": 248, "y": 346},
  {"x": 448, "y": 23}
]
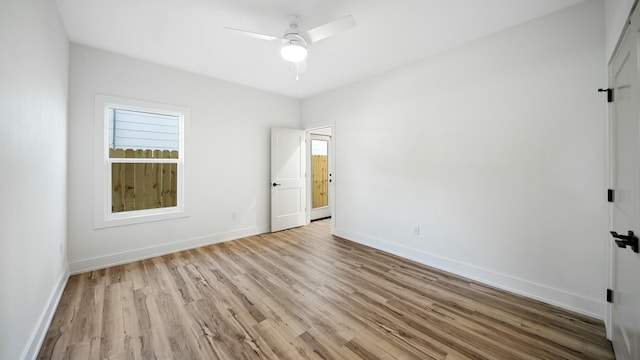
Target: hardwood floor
[{"x": 304, "y": 294}]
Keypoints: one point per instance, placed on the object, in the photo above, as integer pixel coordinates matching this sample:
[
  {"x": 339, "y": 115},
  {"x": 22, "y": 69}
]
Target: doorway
[
  {"x": 320, "y": 160},
  {"x": 319, "y": 157}
]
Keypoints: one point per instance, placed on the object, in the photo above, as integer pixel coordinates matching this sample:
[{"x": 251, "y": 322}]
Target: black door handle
[
  {"x": 275, "y": 184},
  {"x": 626, "y": 240}
]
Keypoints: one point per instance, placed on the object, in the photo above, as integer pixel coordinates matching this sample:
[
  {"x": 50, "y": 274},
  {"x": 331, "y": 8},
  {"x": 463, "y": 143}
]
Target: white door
[
  {"x": 625, "y": 131},
  {"x": 321, "y": 176},
  {"x": 288, "y": 168}
]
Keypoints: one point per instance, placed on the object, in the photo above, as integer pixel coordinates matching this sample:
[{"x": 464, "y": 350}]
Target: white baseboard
[
  {"x": 566, "y": 300},
  {"x": 101, "y": 262},
  {"x": 37, "y": 335}
]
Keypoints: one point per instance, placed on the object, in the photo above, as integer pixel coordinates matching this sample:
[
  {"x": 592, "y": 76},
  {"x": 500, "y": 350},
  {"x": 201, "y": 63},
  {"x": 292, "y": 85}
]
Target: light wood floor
[{"x": 304, "y": 294}]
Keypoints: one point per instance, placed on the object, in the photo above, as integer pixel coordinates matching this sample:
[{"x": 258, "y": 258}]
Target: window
[{"x": 139, "y": 174}]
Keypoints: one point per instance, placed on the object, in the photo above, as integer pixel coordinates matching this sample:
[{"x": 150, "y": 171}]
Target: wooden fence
[
  {"x": 138, "y": 186},
  {"x": 319, "y": 181}
]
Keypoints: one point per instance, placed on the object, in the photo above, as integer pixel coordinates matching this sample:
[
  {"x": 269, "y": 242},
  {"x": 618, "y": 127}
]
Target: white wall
[
  {"x": 616, "y": 14},
  {"x": 495, "y": 149},
  {"x": 33, "y": 153},
  {"x": 227, "y": 166}
]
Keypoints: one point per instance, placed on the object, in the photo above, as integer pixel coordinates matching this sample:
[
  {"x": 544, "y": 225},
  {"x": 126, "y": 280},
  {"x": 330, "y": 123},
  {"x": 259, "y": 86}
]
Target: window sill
[{"x": 139, "y": 217}]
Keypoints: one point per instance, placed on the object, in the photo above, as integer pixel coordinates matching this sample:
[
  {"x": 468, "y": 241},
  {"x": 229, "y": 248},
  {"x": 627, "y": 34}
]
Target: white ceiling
[{"x": 189, "y": 34}]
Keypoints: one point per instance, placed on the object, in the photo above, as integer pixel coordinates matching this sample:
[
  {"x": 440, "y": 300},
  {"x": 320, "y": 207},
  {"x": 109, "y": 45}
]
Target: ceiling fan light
[{"x": 293, "y": 51}]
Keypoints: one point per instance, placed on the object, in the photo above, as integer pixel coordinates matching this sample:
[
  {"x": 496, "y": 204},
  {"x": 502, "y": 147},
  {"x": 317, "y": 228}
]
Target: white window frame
[{"x": 103, "y": 217}]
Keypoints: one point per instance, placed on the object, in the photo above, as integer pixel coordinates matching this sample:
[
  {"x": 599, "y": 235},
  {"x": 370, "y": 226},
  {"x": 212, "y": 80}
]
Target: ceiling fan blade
[
  {"x": 332, "y": 28},
  {"x": 254, "y": 34}
]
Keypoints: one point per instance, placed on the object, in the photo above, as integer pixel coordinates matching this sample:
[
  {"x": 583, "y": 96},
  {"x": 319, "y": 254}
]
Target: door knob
[
  {"x": 275, "y": 184},
  {"x": 626, "y": 240}
]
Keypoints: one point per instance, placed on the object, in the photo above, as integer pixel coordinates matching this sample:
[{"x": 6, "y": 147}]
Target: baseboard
[
  {"x": 566, "y": 300},
  {"x": 37, "y": 336},
  {"x": 101, "y": 262}
]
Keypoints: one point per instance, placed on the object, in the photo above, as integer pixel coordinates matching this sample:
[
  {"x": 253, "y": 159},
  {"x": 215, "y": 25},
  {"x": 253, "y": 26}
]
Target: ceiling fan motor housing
[{"x": 294, "y": 48}]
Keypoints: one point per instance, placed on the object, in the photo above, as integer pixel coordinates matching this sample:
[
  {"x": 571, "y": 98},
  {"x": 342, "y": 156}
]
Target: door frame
[
  {"x": 332, "y": 170},
  {"x": 313, "y": 136},
  {"x": 608, "y": 311}
]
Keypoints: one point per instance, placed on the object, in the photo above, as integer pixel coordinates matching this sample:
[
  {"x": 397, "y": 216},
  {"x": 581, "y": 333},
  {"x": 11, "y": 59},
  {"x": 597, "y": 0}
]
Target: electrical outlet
[
  {"x": 234, "y": 215},
  {"x": 416, "y": 230},
  {"x": 61, "y": 248}
]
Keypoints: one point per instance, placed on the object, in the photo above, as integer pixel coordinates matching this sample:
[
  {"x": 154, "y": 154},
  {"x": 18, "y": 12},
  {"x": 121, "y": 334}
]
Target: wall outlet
[
  {"x": 60, "y": 247},
  {"x": 416, "y": 230},
  {"x": 234, "y": 215}
]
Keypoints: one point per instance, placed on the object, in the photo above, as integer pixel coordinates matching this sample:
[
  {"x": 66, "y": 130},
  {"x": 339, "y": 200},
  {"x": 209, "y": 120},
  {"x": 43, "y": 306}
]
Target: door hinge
[
  {"x": 611, "y": 195},
  {"x": 609, "y": 295},
  {"x": 609, "y": 94}
]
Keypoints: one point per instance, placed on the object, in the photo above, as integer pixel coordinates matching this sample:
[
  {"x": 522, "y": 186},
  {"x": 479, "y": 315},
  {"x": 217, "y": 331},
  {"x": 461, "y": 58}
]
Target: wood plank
[
  {"x": 173, "y": 195},
  {"x": 165, "y": 192},
  {"x": 117, "y": 181},
  {"x": 129, "y": 182},
  {"x": 304, "y": 294},
  {"x": 139, "y": 182}
]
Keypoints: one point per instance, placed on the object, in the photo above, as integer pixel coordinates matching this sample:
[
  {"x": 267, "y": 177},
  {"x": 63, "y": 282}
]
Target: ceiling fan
[{"x": 295, "y": 42}]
